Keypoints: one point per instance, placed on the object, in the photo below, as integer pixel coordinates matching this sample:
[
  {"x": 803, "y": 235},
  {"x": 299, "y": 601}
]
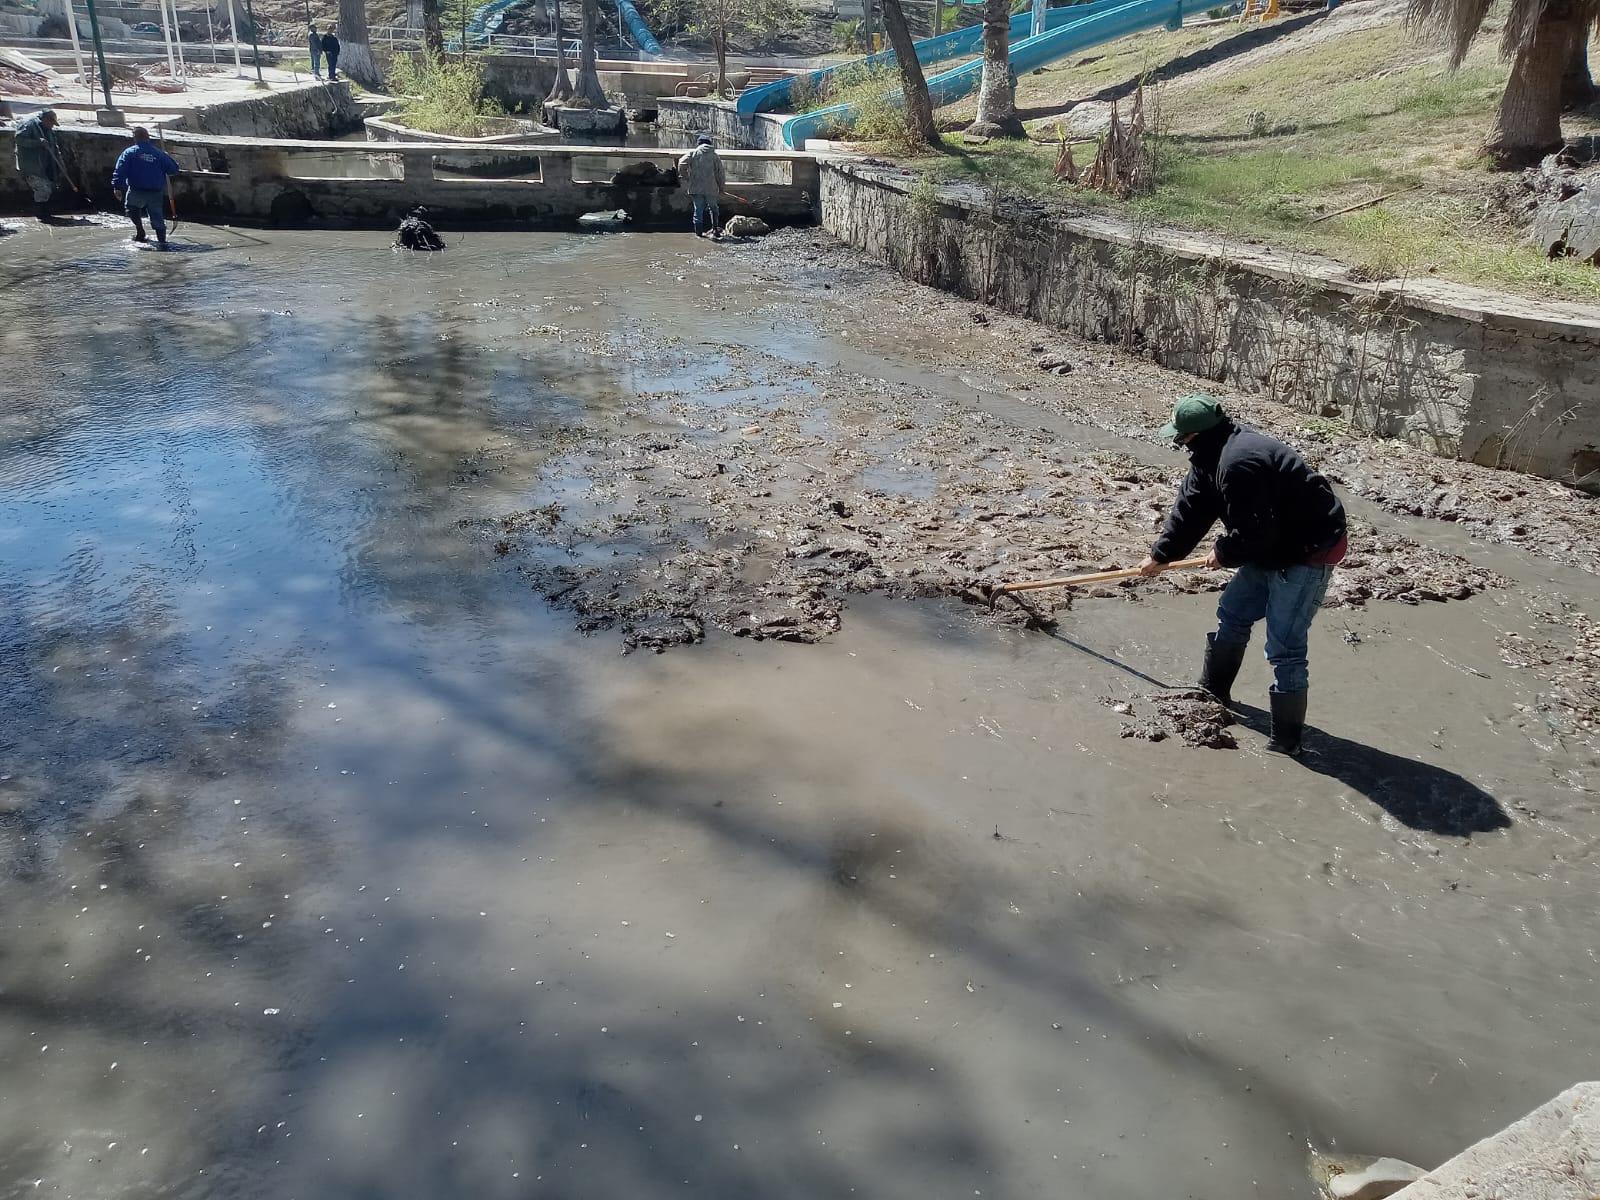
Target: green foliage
[
  {"x": 847, "y": 35},
  {"x": 442, "y": 95},
  {"x": 880, "y": 116}
]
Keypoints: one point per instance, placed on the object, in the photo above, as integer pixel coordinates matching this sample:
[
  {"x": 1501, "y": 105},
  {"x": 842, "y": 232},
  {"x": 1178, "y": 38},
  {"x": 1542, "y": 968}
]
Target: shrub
[{"x": 442, "y": 95}]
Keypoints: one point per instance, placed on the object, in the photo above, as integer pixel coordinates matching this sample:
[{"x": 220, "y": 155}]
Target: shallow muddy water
[{"x": 335, "y": 863}]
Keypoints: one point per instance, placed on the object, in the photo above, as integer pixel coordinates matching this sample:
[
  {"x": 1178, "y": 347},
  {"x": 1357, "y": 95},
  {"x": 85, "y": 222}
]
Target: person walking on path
[
  {"x": 704, "y": 178},
  {"x": 314, "y": 44},
  {"x": 330, "y": 51},
  {"x": 140, "y": 183},
  {"x": 1284, "y": 532},
  {"x": 39, "y": 160}
]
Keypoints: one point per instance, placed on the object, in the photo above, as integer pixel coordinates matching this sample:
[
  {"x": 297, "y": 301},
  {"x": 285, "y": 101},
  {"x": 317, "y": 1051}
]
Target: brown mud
[{"x": 757, "y": 496}]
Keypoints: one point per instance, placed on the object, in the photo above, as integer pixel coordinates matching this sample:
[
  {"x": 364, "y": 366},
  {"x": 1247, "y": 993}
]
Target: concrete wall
[
  {"x": 740, "y": 131},
  {"x": 1458, "y": 370},
  {"x": 314, "y": 111},
  {"x": 349, "y": 185},
  {"x": 518, "y": 80}
]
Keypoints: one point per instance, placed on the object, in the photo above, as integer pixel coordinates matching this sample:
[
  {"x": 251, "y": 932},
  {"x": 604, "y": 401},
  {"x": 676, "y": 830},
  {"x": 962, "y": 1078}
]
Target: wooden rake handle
[{"x": 1029, "y": 585}]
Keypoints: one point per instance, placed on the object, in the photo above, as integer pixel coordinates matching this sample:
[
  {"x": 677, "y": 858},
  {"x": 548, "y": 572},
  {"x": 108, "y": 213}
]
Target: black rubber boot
[
  {"x": 1288, "y": 722},
  {"x": 42, "y": 211},
  {"x": 1221, "y": 667},
  {"x": 138, "y": 232}
]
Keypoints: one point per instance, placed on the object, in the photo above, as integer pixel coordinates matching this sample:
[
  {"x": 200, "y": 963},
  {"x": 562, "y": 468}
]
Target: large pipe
[
  {"x": 77, "y": 51},
  {"x": 233, "y": 28},
  {"x": 166, "y": 36}
]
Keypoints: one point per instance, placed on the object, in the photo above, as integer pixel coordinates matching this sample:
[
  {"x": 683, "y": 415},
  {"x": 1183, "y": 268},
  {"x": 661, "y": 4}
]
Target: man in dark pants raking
[{"x": 1284, "y": 532}]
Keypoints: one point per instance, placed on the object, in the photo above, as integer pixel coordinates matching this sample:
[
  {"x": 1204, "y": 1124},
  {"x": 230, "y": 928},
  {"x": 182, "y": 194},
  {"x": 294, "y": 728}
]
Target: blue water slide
[
  {"x": 935, "y": 49},
  {"x": 641, "y": 32},
  {"x": 485, "y": 19},
  {"x": 1083, "y": 31}
]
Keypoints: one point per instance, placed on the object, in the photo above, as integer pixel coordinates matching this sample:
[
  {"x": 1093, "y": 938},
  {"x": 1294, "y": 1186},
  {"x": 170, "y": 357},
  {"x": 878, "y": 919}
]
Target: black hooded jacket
[{"x": 1277, "y": 512}]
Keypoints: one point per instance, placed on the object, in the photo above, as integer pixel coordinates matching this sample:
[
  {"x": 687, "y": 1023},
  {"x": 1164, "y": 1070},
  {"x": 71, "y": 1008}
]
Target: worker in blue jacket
[{"x": 140, "y": 183}]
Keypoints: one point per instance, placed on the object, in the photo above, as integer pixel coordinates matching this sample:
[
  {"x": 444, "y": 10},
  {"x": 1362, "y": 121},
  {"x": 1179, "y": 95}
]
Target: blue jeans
[
  {"x": 1289, "y": 600},
  {"x": 316, "y": 62},
  {"x": 704, "y": 206},
  {"x": 140, "y": 202}
]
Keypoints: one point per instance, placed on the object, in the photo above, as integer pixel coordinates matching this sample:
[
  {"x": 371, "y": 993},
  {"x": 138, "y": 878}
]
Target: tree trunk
[
  {"x": 432, "y": 28},
  {"x": 1528, "y": 125},
  {"x": 355, "y": 56},
  {"x": 1577, "y": 86},
  {"x": 997, "y": 106},
  {"x": 919, "y": 110},
  {"x": 561, "y": 89},
  {"x": 587, "y": 90},
  {"x": 719, "y": 44},
  {"x": 867, "y": 27}
]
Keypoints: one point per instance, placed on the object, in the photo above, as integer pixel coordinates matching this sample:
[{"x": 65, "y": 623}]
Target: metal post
[
  {"x": 166, "y": 36},
  {"x": 211, "y": 36},
  {"x": 255, "y": 45},
  {"x": 1039, "y": 7},
  {"x": 177, "y": 37},
  {"x": 77, "y": 51},
  {"x": 233, "y": 29},
  {"x": 99, "y": 52}
]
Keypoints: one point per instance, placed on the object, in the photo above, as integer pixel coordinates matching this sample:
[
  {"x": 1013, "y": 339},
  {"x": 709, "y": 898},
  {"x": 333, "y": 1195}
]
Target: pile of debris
[{"x": 23, "y": 76}]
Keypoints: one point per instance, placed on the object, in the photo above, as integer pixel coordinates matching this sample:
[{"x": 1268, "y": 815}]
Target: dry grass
[{"x": 1261, "y": 145}]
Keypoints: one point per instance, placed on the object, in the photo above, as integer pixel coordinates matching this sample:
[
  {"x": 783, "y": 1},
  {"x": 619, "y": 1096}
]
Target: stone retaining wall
[
  {"x": 314, "y": 111},
  {"x": 354, "y": 185},
  {"x": 1460, "y": 371},
  {"x": 743, "y": 131}
]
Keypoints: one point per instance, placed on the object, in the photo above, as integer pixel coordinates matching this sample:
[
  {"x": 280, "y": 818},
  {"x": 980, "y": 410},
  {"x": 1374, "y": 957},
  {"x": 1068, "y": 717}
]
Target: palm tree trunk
[
  {"x": 919, "y": 110},
  {"x": 355, "y": 56},
  {"x": 1577, "y": 86},
  {"x": 561, "y": 89},
  {"x": 432, "y": 28},
  {"x": 997, "y": 108},
  {"x": 587, "y": 90},
  {"x": 1528, "y": 125},
  {"x": 719, "y": 45}
]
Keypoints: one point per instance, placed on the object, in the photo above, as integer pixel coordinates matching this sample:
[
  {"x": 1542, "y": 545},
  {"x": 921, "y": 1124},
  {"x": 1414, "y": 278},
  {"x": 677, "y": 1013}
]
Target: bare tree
[
  {"x": 586, "y": 90},
  {"x": 432, "y": 28},
  {"x": 561, "y": 89},
  {"x": 721, "y": 20},
  {"x": 355, "y": 55},
  {"x": 997, "y": 104},
  {"x": 919, "y": 109},
  {"x": 1538, "y": 40}
]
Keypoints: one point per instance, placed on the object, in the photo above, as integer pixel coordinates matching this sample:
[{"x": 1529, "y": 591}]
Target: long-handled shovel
[{"x": 995, "y": 591}]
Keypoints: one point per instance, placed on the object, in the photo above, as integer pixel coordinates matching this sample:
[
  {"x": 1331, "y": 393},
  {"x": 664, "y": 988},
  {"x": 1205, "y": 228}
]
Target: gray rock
[
  {"x": 1089, "y": 119},
  {"x": 1569, "y": 228},
  {"x": 746, "y": 227},
  {"x": 1380, "y": 1178},
  {"x": 603, "y": 222}
]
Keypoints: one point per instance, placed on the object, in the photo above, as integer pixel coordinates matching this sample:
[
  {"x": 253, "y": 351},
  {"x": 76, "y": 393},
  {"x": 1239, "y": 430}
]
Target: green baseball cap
[{"x": 1192, "y": 414}]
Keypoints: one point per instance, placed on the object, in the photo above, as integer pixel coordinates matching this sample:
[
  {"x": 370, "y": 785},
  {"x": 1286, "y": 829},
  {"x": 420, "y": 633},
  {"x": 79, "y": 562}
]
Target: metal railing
[{"x": 403, "y": 37}]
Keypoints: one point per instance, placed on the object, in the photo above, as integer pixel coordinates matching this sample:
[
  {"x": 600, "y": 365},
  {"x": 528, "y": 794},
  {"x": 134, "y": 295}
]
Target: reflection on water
[{"x": 335, "y": 865}]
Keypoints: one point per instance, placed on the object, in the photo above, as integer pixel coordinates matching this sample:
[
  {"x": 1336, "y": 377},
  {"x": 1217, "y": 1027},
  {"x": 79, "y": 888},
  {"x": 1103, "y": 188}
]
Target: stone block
[{"x": 1553, "y": 1153}]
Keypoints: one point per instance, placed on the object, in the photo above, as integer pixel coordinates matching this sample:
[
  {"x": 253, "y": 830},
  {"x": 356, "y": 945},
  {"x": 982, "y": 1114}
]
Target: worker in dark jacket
[
  {"x": 39, "y": 160},
  {"x": 1283, "y": 533},
  {"x": 140, "y": 183},
  {"x": 330, "y": 51}
]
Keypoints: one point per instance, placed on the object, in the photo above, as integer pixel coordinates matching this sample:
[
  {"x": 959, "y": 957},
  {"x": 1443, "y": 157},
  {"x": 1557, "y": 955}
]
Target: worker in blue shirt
[{"x": 140, "y": 183}]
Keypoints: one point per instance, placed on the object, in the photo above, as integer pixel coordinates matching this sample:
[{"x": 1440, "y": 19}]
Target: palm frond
[{"x": 1455, "y": 22}]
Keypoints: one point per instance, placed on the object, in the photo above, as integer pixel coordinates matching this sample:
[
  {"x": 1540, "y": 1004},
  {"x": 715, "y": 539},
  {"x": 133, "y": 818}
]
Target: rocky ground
[{"x": 757, "y": 500}]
